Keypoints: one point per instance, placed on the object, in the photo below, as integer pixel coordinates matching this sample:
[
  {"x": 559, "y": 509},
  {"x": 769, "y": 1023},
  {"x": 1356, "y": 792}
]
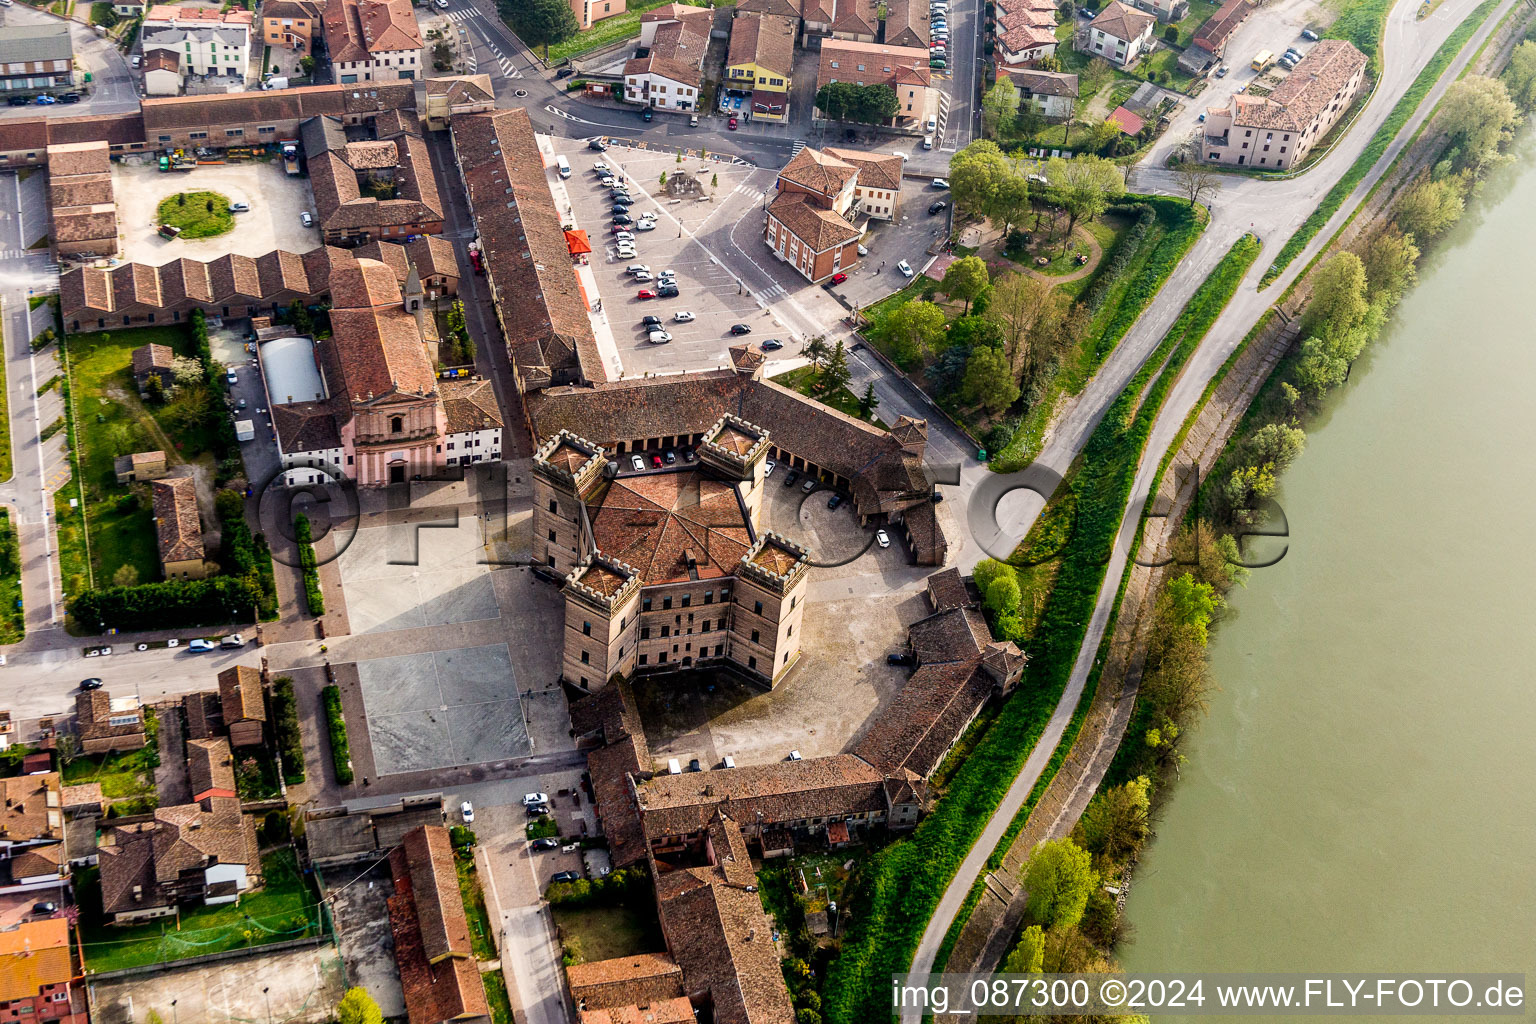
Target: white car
[
  {"x": 607, "y": 181},
  {"x": 646, "y": 225},
  {"x": 535, "y": 799},
  {"x": 933, "y": 124},
  {"x": 201, "y": 645},
  {"x": 641, "y": 276},
  {"x": 626, "y": 251},
  {"x": 941, "y": 183},
  {"x": 637, "y": 268},
  {"x": 882, "y": 538},
  {"x": 467, "y": 809},
  {"x": 863, "y": 250},
  {"x": 603, "y": 170},
  {"x": 771, "y": 466},
  {"x": 667, "y": 275},
  {"x": 638, "y": 463},
  {"x": 905, "y": 268},
  {"x": 442, "y": 5},
  {"x": 623, "y": 236},
  {"x": 659, "y": 337},
  {"x": 682, "y": 318}
]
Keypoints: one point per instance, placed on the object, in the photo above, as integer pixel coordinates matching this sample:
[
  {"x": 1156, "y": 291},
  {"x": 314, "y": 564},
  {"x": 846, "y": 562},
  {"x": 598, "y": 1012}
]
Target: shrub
[
  {"x": 336, "y": 725},
  {"x": 172, "y": 604},
  {"x": 462, "y": 837},
  {"x": 290, "y": 743},
  {"x": 309, "y": 565}
]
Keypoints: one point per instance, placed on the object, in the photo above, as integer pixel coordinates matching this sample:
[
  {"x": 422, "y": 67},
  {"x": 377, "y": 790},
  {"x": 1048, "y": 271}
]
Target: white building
[
  {"x": 474, "y": 421},
  {"x": 222, "y": 51},
  {"x": 373, "y": 40},
  {"x": 1121, "y": 35},
  {"x": 669, "y": 77}
]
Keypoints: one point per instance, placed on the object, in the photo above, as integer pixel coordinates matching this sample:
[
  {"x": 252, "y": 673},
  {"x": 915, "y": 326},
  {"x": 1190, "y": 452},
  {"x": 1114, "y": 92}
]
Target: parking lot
[
  {"x": 706, "y": 286},
  {"x": 276, "y": 202}
]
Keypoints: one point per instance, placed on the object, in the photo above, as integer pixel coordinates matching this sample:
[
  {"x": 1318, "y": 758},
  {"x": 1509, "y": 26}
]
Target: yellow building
[{"x": 757, "y": 66}]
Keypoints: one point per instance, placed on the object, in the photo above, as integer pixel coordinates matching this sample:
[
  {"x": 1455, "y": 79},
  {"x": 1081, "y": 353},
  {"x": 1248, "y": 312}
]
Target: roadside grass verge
[
  {"x": 1399, "y": 116},
  {"x": 895, "y": 895},
  {"x": 609, "y": 30},
  {"x": 13, "y": 622},
  {"x": 803, "y": 378}
]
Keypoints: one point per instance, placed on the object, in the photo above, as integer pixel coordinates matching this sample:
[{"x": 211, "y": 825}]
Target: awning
[{"x": 576, "y": 241}]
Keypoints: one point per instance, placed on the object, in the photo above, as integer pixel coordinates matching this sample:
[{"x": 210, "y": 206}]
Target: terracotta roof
[
  {"x": 883, "y": 65},
  {"x": 1044, "y": 83},
  {"x": 541, "y": 303},
  {"x": 679, "y": 805},
  {"x": 819, "y": 171},
  {"x": 916, "y": 729},
  {"x": 611, "y": 767},
  {"x": 1214, "y": 33},
  {"x": 815, "y": 227},
  {"x": 947, "y": 589},
  {"x": 82, "y": 794},
  {"x": 162, "y": 60},
  {"x": 179, "y": 839},
  {"x": 178, "y": 526},
  {"x": 678, "y": 48},
  {"x": 462, "y": 88},
  {"x": 290, "y": 9},
  {"x": 240, "y": 695},
  {"x": 359, "y": 30},
  {"x": 782, "y": 8},
  {"x": 152, "y": 357},
  {"x": 906, "y": 23},
  {"x": 33, "y": 861},
  {"x": 261, "y": 106},
  {"x": 1129, "y": 123},
  {"x": 1122, "y": 22},
  {"x": 86, "y": 224},
  {"x": 334, "y": 165},
  {"x": 766, "y": 40},
  {"x": 671, "y": 526},
  {"x": 1299, "y": 102},
  {"x": 93, "y": 714},
  {"x": 470, "y": 404},
  {"x": 677, "y": 1010},
  {"x": 33, "y": 956},
  {"x": 1019, "y": 35},
  {"x": 636, "y": 979},
  {"x": 79, "y": 158},
  {"x": 876, "y": 170},
  {"x": 28, "y": 134},
  {"x": 857, "y": 16},
  {"x": 306, "y": 427},
  {"x": 438, "y": 971},
  {"x": 127, "y": 863},
  {"x": 439, "y": 907},
  {"x": 210, "y": 768}
]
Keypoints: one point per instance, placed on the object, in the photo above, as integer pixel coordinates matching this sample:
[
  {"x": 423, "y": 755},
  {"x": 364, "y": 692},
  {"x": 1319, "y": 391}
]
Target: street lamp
[{"x": 264, "y": 992}]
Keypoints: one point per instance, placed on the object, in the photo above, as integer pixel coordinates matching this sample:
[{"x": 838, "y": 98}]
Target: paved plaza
[{"x": 422, "y": 574}]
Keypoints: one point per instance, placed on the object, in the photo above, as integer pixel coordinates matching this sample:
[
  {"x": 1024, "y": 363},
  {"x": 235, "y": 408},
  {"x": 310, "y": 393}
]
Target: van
[
  {"x": 564, "y": 165},
  {"x": 1262, "y": 61},
  {"x": 673, "y": 767}
]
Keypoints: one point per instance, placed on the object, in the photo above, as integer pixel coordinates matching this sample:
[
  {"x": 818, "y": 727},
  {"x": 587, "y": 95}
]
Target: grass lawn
[
  {"x": 121, "y": 774},
  {"x": 198, "y": 214},
  {"x": 1199, "y": 10},
  {"x": 110, "y": 420},
  {"x": 284, "y": 908},
  {"x": 605, "y": 932},
  {"x": 5, "y": 427},
  {"x": 609, "y": 30},
  {"x": 842, "y": 399},
  {"x": 480, "y": 940},
  {"x": 12, "y": 619},
  {"x": 496, "y": 996}
]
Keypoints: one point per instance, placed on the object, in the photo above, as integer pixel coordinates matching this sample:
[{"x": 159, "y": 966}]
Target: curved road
[{"x": 1273, "y": 210}]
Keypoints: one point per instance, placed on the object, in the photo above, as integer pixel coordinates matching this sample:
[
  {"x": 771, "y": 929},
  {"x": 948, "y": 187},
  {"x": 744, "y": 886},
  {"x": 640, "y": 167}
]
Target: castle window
[
  {"x": 666, "y": 603},
  {"x": 758, "y": 607},
  {"x": 751, "y": 663},
  {"x": 551, "y": 536},
  {"x": 396, "y": 424},
  {"x": 645, "y": 604},
  {"x": 585, "y": 658},
  {"x": 553, "y": 507},
  {"x": 645, "y": 632},
  {"x": 709, "y": 597},
  {"x": 687, "y": 599},
  {"x": 754, "y": 636},
  {"x": 586, "y": 629},
  {"x": 644, "y": 658}
]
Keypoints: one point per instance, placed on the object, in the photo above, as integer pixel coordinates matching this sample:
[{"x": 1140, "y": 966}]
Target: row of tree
[{"x": 863, "y": 104}]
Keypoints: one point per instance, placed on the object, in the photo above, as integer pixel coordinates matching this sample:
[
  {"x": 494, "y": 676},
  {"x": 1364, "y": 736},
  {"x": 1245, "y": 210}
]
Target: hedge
[
  {"x": 290, "y": 744},
  {"x": 1378, "y": 145},
  {"x": 173, "y": 604},
  {"x": 309, "y": 564},
  {"x": 1120, "y": 256},
  {"x": 894, "y": 895},
  {"x": 243, "y": 554},
  {"x": 341, "y": 754}
]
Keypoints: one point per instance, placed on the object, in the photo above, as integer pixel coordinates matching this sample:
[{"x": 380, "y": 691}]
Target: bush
[
  {"x": 462, "y": 837},
  {"x": 625, "y": 886},
  {"x": 309, "y": 565},
  {"x": 173, "y": 604},
  {"x": 290, "y": 743},
  {"x": 341, "y": 754}
]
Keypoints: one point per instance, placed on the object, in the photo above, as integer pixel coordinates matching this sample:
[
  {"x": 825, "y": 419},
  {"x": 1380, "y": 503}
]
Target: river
[{"x": 1362, "y": 795}]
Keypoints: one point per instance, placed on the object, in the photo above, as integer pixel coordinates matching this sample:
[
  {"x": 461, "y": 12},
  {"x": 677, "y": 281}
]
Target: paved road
[
  {"x": 1273, "y": 210},
  {"x": 113, "y": 87}
]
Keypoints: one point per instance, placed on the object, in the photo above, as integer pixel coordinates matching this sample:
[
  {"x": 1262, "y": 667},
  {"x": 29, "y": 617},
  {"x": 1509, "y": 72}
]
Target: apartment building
[
  {"x": 1121, "y": 35},
  {"x": 1279, "y": 130},
  {"x": 372, "y": 40}
]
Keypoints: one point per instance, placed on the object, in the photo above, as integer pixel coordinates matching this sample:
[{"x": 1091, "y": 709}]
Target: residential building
[
  {"x": 907, "y": 23},
  {"x": 758, "y": 64},
  {"x": 903, "y": 68},
  {"x": 427, "y": 258},
  {"x": 381, "y": 188},
  {"x": 540, "y": 305},
  {"x": 129, "y": 8},
  {"x": 667, "y": 570},
  {"x": 185, "y": 855},
  {"x": 474, "y": 424},
  {"x": 669, "y": 77},
  {"x": 81, "y": 199},
  {"x": 438, "y": 970},
  {"x": 103, "y": 724},
  {"x": 1025, "y": 31},
  {"x": 210, "y": 770},
  {"x": 206, "y": 41},
  {"x": 242, "y": 704},
  {"x": 856, "y": 20},
  {"x": 36, "y": 971},
  {"x": 1121, "y": 35},
  {"x": 1279, "y": 130},
  {"x": 1209, "y": 45},
  {"x": 291, "y": 24},
  {"x": 372, "y": 40},
  {"x": 821, "y": 193},
  {"x": 178, "y": 528},
  {"x": 35, "y": 57},
  {"x": 590, "y": 12},
  {"x": 139, "y": 467},
  {"x": 162, "y": 72},
  {"x": 641, "y": 980},
  {"x": 31, "y": 822},
  {"x": 458, "y": 96},
  {"x": 1164, "y": 10},
  {"x": 1051, "y": 94}
]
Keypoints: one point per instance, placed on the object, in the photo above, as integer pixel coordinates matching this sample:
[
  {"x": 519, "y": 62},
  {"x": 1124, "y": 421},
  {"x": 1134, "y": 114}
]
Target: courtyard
[
  {"x": 432, "y": 572},
  {"x": 276, "y": 202}
]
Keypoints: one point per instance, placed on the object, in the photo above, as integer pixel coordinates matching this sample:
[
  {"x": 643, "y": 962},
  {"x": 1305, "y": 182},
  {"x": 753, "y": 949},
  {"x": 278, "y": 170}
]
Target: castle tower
[
  {"x": 602, "y": 618},
  {"x": 738, "y": 450},
  {"x": 565, "y": 469},
  {"x": 767, "y": 606}
]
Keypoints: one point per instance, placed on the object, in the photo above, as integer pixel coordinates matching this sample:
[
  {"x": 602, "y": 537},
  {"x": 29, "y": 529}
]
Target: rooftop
[{"x": 671, "y": 526}]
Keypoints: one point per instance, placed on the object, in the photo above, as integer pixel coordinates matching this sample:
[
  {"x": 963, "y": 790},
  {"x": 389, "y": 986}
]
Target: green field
[
  {"x": 284, "y": 908},
  {"x": 198, "y": 214},
  {"x": 609, "y": 30},
  {"x": 602, "y": 933}
]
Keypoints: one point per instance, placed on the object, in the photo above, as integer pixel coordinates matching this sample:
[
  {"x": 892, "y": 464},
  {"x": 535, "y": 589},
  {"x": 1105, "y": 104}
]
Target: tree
[
  {"x": 68, "y": 746},
  {"x": 868, "y": 401},
  {"x": 1117, "y": 821},
  {"x": 358, "y": 1007},
  {"x": 307, "y": 64},
  {"x": 1276, "y": 445},
  {"x": 1037, "y": 322},
  {"x": 1084, "y": 187},
  {"x": 153, "y": 1017},
  {"x": 1479, "y": 117},
  {"x": 1389, "y": 257},
  {"x": 834, "y": 374},
  {"x": 1186, "y": 603},
  {"x": 714, "y": 181},
  {"x": 987, "y": 381},
  {"x": 976, "y": 174},
  {"x": 1338, "y": 295},
  {"x": 1002, "y": 597},
  {"x": 913, "y": 328},
  {"x": 187, "y": 371},
  {"x": 1427, "y": 209},
  {"x": 189, "y": 408},
  {"x": 1520, "y": 75},
  {"x": 1028, "y": 957},
  {"x": 965, "y": 279},
  {"x": 865, "y": 104},
  {"x": 1059, "y": 878},
  {"x": 1197, "y": 181},
  {"x": 155, "y": 389},
  {"x": 540, "y": 22},
  {"x": 999, "y": 106},
  {"x": 663, "y": 179},
  {"x": 816, "y": 350},
  {"x": 125, "y": 576}
]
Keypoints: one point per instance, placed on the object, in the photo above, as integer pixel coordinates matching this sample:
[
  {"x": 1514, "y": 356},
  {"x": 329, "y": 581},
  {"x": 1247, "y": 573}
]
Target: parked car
[
  {"x": 647, "y": 116},
  {"x": 90, "y": 684},
  {"x": 898, "y": 658},
  {"x": 239, "y": 207},
  {"x": 810, "y": 484},
  {"x": 771, "y": 345},
  {"x": 1309, "y": 35},
  {"x": 666, "y": 290},
  {"x": 201, "y": 645},
  {"x": 70, "y": 97},
  {"x": 232, "y": 641},
  {"x": 597, "y": 144},
  {"x": 645, "y": 293},
  {"x": 768, "y": 467},
  {"x": 683, "y": 317},
  {"x": 571, "y": 876},
  {"x": 938, "y": 64},
  {"x": 619, "y": 208},
  {"x": 658, "y": 338},
  {"x": 689, "y": 455},
  {"x": 136, "y": 60},
  {"x": 231, "y": 378},
  {"x": 624, "y": 250},
  {"x": 562, "y": 73},
  {"x": 46, "y": 907},
  {"x": 741, "y": 329},
  {"x": 642, "y": 276},
  {"x": 693, "y": 121},
  {"x": 794, "y": 475},
  {"x": 535, "y": 799},
  {"x": 671, "y": 457},
  {"x": 942, "y": 183},
  {"x": 1201, "y": 118},
  {"x": 835, "y": 500},
  {"x": 44, "y": 100},
  {"x": 547, "y": 843},
  {"x": 863, "y": 250},
  {"x": 637, "y": 463},
  {"x": 1221, "y": 72},
  {"x": 307, "y": 219},
  {"x": 650, "y": 321},
  {"x": 655, "y": 461},
  {"x": 467, "y": 810},
  {"x": 636, "y": 268},
  {"x": 623, "y": 218},
  {"x": 18, "y": 101},
  {"x": 905, "y": 268},
  {"x": 646, "y": 224},
  {"x": 882, "y": 538},
  {"x": 608, "y": 181},
  {"x": 731, "y": 124},
  {"x": 838, "y": 278}
]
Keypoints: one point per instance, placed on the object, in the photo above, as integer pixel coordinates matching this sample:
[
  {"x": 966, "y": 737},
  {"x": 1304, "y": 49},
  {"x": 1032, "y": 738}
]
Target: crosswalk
[
  {"x": 503, "y": 62},
  {"x": 799, "y": 145}
]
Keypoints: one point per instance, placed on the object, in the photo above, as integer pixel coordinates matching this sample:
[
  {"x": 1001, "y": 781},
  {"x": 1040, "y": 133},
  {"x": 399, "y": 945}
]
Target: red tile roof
[{"x": 659, "y": 522}]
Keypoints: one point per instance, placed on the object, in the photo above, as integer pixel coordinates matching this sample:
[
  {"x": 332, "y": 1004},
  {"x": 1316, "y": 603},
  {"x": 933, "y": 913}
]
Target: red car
[
  {"x": 656, "y": 461},
  {"x": 731, "y": 124},
  {"x": 645, "y": 293},
  {"x": 839, "y": 278}
]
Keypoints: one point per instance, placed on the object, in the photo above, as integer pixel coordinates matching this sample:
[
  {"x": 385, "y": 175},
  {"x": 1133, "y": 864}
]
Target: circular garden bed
[{"x": 197, "y": 214}]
